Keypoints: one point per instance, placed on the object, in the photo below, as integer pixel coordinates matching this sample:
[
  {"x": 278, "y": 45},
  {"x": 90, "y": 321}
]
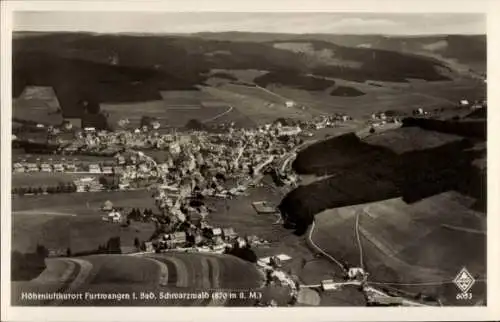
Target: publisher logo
[{"x": 464, "y": 280}]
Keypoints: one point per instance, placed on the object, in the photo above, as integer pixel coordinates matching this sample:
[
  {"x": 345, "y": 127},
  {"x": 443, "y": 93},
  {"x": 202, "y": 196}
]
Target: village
[{"x": 182, "y": 168}]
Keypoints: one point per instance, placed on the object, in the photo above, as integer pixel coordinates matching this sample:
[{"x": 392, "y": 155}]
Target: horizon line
[{"x": 247, "y": 32}]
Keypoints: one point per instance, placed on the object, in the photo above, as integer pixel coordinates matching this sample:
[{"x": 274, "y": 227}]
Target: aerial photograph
[{"x": 248, "y": 159}]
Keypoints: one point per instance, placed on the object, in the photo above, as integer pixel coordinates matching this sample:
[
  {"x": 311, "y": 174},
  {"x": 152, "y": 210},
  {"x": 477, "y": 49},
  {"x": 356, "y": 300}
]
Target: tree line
[{"x": 59, "y": 188}]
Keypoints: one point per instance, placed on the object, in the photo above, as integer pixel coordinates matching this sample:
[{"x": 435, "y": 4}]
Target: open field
[
  {"x": 37, "y": 103},
  {"x": 18, "y": 155},
  {"x": 37, "y": 219},
  {"x": 43, "y": 179},
  {"x": 79, "y": 233},
  {"x": 171, "y": 272},
  {"x": 403, "y": 98},
  {"x": 408, "y": 243},
  {"x": 410, "y": 139},
  {"x": 84, "y": 203},
  {"x": 258, "y": 106},
  {"x": 167, "y": 115}
]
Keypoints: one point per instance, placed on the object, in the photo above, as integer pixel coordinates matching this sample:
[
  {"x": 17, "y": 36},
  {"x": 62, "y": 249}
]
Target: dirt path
[
  {"x": 42, "y": 212},
  {"x": 230, "y": 108}
]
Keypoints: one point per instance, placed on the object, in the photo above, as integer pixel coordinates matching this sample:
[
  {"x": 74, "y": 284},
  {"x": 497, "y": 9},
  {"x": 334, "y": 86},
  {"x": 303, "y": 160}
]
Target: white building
[
  {"x": 115, "y": 216},
  {"x": 329, "y": 285},
  {"x": 289, "y": 130},
  {"x": 289, "y": 104}
]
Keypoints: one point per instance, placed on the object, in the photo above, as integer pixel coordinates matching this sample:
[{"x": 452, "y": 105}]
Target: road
[{"x": 230, "y": 108}]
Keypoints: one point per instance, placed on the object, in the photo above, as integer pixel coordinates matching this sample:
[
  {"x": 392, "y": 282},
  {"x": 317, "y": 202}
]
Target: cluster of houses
[{"x": 28, "y": 167}]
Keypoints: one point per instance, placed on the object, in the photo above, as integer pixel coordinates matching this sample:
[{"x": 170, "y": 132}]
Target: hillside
[
  {"x": 409, "y": 162},
  {"x": 467, "y": 50},
  {"x": 172, "y": 272},
  {"x": 125, "y": 68}
]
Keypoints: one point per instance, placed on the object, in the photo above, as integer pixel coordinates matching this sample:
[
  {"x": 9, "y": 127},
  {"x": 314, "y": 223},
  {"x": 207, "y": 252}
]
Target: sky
[{"x": 191, "y": 22}]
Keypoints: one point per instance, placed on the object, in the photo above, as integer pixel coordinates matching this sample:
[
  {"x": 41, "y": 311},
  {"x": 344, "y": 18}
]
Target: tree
[
  {"x": 137, "y": 243},
  {"x": 68, "y": 252},
  {"x": 42, "y": 251},
  {"x": 146, "y": 120},
  {"x": 194, "y": 124},
  {"x": 114, "y": 245}
]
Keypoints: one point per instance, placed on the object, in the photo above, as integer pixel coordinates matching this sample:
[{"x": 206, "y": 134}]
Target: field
[
  {"x": 43, "y": 179},
  {"x": 398, "y": 97},
  {"x": 74, "y": 220},
  {"x": 37, "y": 103},
  {"x": 257, "y": 105},
  {"x": 172, "y": 272},
  {"x": 425, "y": 242}
]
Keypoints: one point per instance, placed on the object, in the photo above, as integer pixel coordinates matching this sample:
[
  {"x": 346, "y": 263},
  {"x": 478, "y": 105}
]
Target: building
[
  {"x": 94, "y": 168},
  {"x": 329, "y": 285},
  {"x": 115, "y": 216},
  {"x": 229, "y": 233},
  {"x": 45, "y": 167},
  {"x": 107, "y": 169},
  {"x": 179, "y": 237},
  {"x": 149, "y": 247},
  {"x": 263, "y": 207},
  {"x": 289, "y": 104},
  {"x": 289, "y": 130}
]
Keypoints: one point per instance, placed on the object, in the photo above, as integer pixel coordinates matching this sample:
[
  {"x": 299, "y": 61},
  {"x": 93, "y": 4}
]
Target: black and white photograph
[{"x": 248, "y": 159}]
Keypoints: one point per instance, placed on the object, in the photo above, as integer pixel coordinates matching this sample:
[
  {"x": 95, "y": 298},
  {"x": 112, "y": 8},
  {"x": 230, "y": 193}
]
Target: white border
[{"x": 491, "y": 312}]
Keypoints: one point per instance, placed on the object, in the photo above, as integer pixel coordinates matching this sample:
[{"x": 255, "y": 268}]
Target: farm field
[
  {"x": 74, "y": 220},
  {"x": 43, "y": 179},
  {"x": 84, "y": 203},
  {"x": 167, "y": 116},
  {"x": 79, "y": 233},
  {"x": 399, "y": 97},
  {"x": 259, "y": 107},
  {"x": 409, "y": 243},
  {"x": 37, "y": 103},
  {"x": 408, "y": 139}
]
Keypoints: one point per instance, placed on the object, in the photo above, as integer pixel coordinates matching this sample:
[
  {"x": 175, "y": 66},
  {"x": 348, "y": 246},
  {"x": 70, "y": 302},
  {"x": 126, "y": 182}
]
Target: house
[
  {"x": 464, "y": 102},
  {"x": 18, "y": 167},
  {"x": 355, "y": 272},
  {"x": 289, "y": 130},
  {"x": 262, "y": 207},
  {"x": 179, "y": 237},
  {"x": 32, "y": 167},
  {"x": 229, "y": 233},
  {"x": 70, "y": 167},
  {"x": 58, "y": 252},
  {"x": 329, "y": 285},
  {"x": 46, "y": 167},
  {"x": 58, "y": 167},
  {"x": 289, "y": 104},
  {"x": 94, "y": 168},
  {"x": 107, "y": 169},
  {"x": 115, "y": 216},
  {"x": 117, "y": 170}
]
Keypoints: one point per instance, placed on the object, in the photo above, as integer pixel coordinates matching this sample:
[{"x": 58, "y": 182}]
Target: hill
[
  {"x": 130, "y": 68},
  {"x": 469, "y": 51},
  {"x": 408, "y": 162},
  {"x": 147, "y": 274}
]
